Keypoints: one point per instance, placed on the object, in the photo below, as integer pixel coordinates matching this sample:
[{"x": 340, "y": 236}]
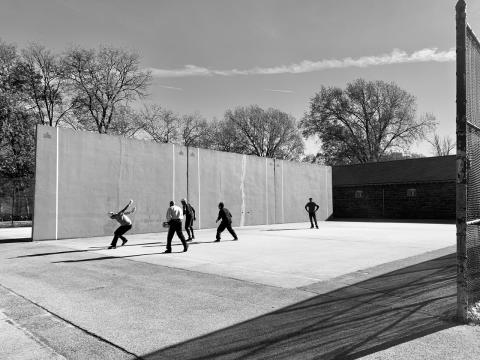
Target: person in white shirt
[
  {"x": 125, "y": 224},
  {"x": 174, "y": 220}
]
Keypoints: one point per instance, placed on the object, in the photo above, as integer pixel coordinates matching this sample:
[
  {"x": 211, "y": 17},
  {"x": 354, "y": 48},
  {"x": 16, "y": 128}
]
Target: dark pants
[
  {"x": 224, "y": 225},
  {"x": 119, "y": 232},
  {"x": 313, "y": 217},
  {"x": 175, "y": 227},
  {"x": 189, "y": 226}
]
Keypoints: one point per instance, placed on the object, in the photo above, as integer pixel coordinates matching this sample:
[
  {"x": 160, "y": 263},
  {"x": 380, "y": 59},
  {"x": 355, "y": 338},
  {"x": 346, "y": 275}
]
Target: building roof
[{"x": 431, "y": 169}]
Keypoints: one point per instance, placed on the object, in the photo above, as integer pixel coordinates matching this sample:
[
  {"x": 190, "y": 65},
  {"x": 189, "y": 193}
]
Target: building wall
[
  {"x": 433, "y": 200},
  {"x": 80, "y": 176}
]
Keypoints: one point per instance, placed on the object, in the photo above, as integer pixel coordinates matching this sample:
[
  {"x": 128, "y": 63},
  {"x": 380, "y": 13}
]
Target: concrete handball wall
[{"x": 80, "y": 176}]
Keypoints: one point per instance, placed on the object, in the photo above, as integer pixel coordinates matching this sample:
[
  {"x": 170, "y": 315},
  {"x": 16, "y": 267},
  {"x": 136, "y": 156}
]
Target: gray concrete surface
[
  {"x": 81, "y": 176},
  {"x": 344, "y": 291}
]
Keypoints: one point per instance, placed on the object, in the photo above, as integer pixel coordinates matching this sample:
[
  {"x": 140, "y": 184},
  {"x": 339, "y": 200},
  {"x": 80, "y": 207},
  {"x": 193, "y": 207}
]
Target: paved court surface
[
  {"x": 347, "y": 290},
  {"x": 15, "y": 234}
]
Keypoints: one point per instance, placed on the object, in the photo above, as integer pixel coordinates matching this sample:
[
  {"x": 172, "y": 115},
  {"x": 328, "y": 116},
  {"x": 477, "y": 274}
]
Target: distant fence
[{"x": 16, "y": 201}]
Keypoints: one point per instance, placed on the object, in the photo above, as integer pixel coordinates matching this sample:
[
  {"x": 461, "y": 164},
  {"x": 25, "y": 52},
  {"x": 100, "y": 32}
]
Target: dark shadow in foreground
[
  {"x": 15, "y": 240},
  {"x": 347, "y": 323}
]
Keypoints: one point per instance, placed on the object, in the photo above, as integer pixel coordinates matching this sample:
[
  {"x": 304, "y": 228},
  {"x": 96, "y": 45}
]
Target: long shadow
[
  {"x": 193, "y": 243},
  {"x": 15, "y": 240},
  {"x": 347, "y": 323},
  {"x": 110, "y": 257}
]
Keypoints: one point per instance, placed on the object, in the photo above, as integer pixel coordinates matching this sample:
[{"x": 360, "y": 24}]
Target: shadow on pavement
[
  {"x": 16, "y": 240},
  {"x": 347, "y": 323}
]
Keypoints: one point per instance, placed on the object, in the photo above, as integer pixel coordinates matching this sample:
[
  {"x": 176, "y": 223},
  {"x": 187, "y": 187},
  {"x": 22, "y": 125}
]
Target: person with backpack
[{"x": 226, "y": 222}]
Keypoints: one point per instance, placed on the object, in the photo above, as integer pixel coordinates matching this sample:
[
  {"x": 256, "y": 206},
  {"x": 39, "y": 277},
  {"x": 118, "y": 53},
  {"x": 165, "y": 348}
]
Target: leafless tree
[
  {"x": 365, "y": 121},
  {"x": 195, "y": 131},
  {"x": 104, "y": 80},
  {"x": 160, "y": 124},
  {"x": 48, "y": 84},
  {"x": 268, "y": 133},
  {"x": 441, "y": 146}
]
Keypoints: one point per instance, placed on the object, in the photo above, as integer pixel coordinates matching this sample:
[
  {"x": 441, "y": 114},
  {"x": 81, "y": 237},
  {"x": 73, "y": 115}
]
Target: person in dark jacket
[
  {"x": 312, "y": 208},
  {"x": 226, "y": 222},
  {"x": 189, "y": 214}
]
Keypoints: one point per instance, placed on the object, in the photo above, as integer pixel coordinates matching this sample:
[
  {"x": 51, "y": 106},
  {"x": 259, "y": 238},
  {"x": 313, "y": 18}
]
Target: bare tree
[
  {"x": 365, "y": 121},
  {"x": 441, "y": 146},
  {"x": 160, "y": 124},
  {"x": 195, "y": 131},
  {"x": 104, "y": 80},
  {"x": 47, "y": 84},
  {"x": 268, "y": 133}
]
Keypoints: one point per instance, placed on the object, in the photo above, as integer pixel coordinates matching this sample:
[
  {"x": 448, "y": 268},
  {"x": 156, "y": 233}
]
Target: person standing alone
[
  {"x": 312, "y": 208},
  {"x": 189, "y": 213},
  {"x": 226, "y": 222},
  {"x": 174, "y": 220}
]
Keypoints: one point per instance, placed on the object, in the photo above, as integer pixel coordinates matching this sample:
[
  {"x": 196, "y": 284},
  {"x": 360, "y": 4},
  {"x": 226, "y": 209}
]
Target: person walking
[
  {"x": 125, "y": 224},
  {"x": 174, "y": 220},
  {"x": 226, "y": 222},
  {"x": 189, "y": 213},
  {"x": 312, "y": 208}
]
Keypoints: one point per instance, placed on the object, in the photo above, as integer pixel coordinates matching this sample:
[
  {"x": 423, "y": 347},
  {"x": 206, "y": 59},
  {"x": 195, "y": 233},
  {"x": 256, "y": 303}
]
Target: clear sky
[{"x": 212, "y": 55}]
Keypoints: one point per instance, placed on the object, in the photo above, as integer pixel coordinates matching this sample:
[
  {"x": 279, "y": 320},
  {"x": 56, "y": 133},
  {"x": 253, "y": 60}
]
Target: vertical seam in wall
[
  {"x": 173, "y": 172},
  {"x": 56, "y": 186},
  {"x": 188, "y": 193},
  {"x": 198, "y": 172},
  {"x": 283, "y": 211},
  {"x": 327, "y": 198},
  {"x": 266, "y": 189},
  {"x": 242, "y": 190}
]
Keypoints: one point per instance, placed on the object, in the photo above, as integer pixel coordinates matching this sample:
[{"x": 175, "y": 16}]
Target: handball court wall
[{"x": 80, "y": 176}]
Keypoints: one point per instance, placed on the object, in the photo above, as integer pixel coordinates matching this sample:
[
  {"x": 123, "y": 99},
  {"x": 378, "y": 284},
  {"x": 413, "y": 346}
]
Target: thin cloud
[
  {"x": 280, "y": 91},
  {"x": 395, "y": 57},
  {"x": 170, "y": 87}
]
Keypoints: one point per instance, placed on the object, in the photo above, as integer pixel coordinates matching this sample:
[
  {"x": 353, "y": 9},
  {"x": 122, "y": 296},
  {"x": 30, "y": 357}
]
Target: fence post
[{"x": 462, "y": 166}]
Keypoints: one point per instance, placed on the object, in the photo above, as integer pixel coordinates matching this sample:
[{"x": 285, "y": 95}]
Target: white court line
[
  {"x": 266, "y": 189},
  {"x": 198, "y": 172},
  {"x": 56, "y": 187},
  {"x": 173, "y": 172}
]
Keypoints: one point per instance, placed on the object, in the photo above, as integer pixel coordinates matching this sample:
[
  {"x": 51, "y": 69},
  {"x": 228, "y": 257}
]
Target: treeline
[{"x": 102, "y": 90}]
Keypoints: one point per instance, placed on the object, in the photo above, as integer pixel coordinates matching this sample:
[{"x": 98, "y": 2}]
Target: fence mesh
[
  {"x": 16, "y": 201},
  {"x": 472, "y": 69}
]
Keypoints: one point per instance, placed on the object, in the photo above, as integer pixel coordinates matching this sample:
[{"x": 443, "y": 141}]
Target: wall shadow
[{"x": 347, "y": 323}]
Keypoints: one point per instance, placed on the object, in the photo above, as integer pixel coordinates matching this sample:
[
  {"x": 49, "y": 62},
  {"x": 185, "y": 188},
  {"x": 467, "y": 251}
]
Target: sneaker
[
  {"x": 189, "y": 239},
  {"x": 317, "y": 227},
  {"x": 218, "y": 240},
  {"x": 185, "y": 248},
  {"x": 193, "y": 237},
  {"x": 167, "y": 251},
  {"x": 124, "y": 242},
  {"x": 112, "y": 247},
  {"x": 235, "y": 239},
  {"x": 311, "y": 227}
]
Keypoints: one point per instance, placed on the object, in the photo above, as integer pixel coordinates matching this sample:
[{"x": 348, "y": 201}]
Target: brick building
[{"x": 405, "y": 189}]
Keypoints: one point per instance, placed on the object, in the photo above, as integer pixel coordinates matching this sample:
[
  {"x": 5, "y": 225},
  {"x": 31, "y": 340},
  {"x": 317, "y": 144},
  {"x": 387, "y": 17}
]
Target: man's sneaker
[
  {"x": 218, "y": 240},
  {"x": 167, "y": 251},
  {"x": 112, "y": 247},
  {"x": 235, "y": 238},
  {"x": 189, "y": 239},
  {"x": 185, "y": 248},
  {"x": 317, "y": 227},
  {"x": 124, "y": 242}
]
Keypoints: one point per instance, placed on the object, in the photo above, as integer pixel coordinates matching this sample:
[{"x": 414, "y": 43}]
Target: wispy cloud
[
  {"x": 170, "y": 87},
  {"x": 395, "y": 57},
  {"x": 280, "y": 91}
]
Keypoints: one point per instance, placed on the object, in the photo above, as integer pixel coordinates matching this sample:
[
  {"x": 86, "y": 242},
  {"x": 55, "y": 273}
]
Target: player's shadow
[
  {"x": 196, "y": 242},
  {"x": 347, "y": 323}
]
